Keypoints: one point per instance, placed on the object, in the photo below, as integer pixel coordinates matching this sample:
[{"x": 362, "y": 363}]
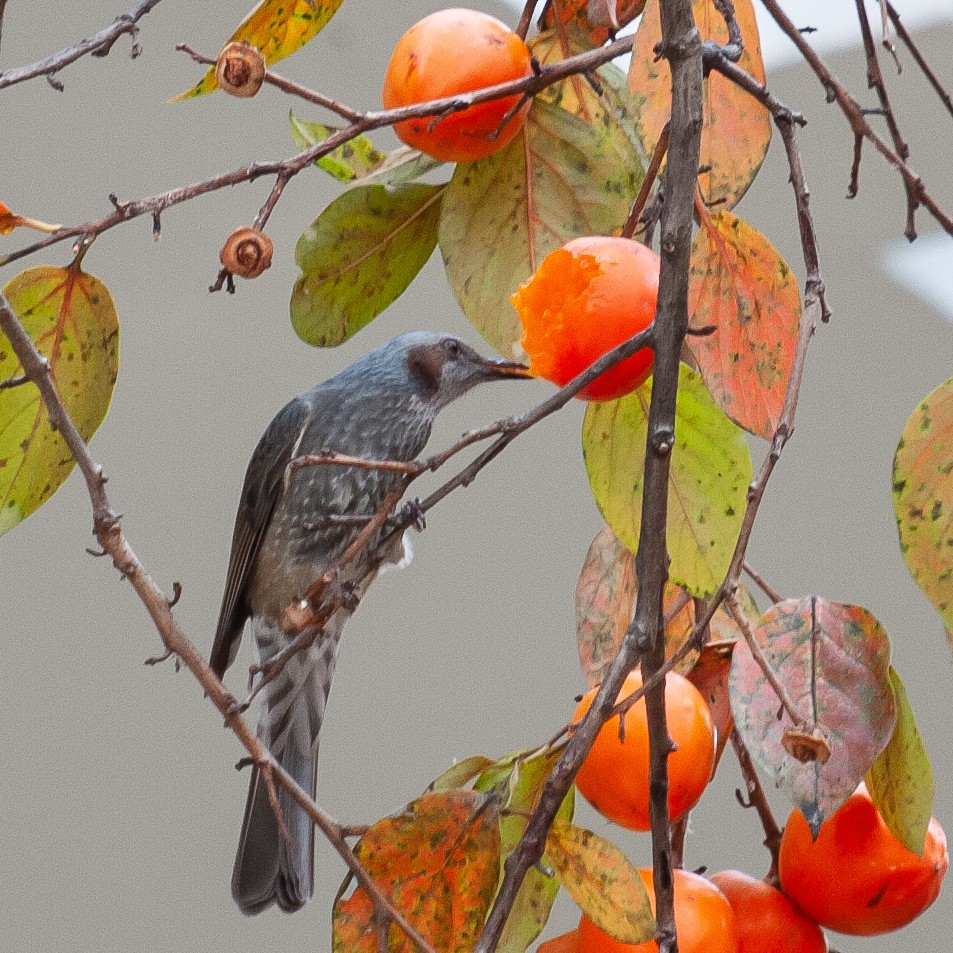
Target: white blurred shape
[{"x": 924, "y": 268}]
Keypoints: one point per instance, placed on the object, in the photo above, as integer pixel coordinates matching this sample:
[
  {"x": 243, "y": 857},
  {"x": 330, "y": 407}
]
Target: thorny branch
[{"x": 99, "y": 44}]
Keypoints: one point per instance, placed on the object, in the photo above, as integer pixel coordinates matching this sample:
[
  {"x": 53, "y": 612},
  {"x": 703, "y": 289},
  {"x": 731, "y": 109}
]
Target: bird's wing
[{"x": 264, "y": 484}]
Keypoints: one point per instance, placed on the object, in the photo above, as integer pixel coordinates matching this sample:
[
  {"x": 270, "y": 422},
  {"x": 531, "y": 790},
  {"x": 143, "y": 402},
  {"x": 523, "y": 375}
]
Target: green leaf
[
  {"x": 277, "y": 28},
  {"x": 353, "y": 160},
  {"x": 708, "y": 480},
  {"x": 832, "y": 660},
  {"x": 602, "y": 881},
  {"x": 71, "y": 318},
  {"x": 923, "y": 497},
  {"x": 518, "y": 779},
  {"x": 438, "y": 862},
  {"x": 558, "y": 179},
  {"x": 461, "y": 773},
  {"x": 900, "y": 781},
  {"x": 359, "y": 255}
]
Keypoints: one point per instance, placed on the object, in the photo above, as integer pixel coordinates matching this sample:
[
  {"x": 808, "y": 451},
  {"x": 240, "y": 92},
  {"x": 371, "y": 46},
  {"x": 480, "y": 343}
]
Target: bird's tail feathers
[{"x": 271, "y": 865}]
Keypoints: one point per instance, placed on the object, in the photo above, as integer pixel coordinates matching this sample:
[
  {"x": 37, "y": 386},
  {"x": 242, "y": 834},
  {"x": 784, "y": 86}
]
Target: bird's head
[{"x": 442, "y": 368}]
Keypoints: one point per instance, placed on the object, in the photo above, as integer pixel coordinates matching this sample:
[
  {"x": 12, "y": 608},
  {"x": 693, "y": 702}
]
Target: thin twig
[
  {"x": 919, "y": 58},
  {"x": 99, "y": 44},
  {"x": 762, "y": 583},
  {"x": 526, "y": 18},
  {"x": 875, "y": 81},
  {"x": 285, "y": 85},
  {"x": 759, "y": 801},
  {"x": 741, "y": 620},
  {"x": 651, "y": 174},
  {"x": 859, "y": 126}
]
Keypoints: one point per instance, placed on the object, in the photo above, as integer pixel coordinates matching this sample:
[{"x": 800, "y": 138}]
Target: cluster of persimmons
[{"x": 584, "y": 299}]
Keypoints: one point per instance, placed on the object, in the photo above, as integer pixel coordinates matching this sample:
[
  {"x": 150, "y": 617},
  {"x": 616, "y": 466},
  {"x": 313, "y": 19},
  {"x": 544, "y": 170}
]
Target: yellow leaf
[
  {"x": 277, "y": 28},
  {"x": 72, "y": 320}
]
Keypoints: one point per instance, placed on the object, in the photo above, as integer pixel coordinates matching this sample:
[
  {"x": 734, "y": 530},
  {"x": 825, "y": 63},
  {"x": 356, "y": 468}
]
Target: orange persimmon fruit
[
  {"x": 457, "y": 51},
  {"x": 583, "y": 300},
  {"x": 858, "y": 877},
  {"x": 704, "y": 920},
  {"x": 614, "y": 778},
  {"x": 767, "y": 920}
]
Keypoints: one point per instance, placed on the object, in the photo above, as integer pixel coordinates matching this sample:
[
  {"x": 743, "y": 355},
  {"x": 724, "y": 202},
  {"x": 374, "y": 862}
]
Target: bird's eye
[{"x": 453, "y": 349}]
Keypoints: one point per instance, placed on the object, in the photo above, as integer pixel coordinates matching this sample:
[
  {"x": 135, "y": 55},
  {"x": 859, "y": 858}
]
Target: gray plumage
[{"x": 382, "y": 407}]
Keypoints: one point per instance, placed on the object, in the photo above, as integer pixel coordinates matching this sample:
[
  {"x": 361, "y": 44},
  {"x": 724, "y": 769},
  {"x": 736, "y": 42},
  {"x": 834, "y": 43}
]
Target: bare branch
[
  {"x": 288, "y": 168},
  {"x": 99, "y": 44},
  {"x": 856, "y": 119},
  {"x": 919, "y": 59},
  {"x": 875, "y": 81},
  {"x": 681, "y": 46},
  {"x": 759, "y": 801}
]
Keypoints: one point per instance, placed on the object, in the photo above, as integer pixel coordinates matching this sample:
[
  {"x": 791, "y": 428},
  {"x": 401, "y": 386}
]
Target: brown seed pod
[
  {"x": 247, "y": 252},
  {"x": 240, "y": 69}
]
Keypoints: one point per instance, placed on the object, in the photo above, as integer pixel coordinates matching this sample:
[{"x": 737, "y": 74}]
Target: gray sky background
[{"x": 119, "y": 799}]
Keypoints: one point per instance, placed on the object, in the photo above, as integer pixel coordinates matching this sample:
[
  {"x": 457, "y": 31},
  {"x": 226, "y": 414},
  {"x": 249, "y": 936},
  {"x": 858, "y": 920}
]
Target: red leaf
[
  {"x": 605, "y": 595},
  {"x": 833, "y": 660}
]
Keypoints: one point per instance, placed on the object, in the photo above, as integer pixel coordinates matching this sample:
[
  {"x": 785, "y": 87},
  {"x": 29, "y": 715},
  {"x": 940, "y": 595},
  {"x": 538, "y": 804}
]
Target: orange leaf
[
  {"x": 9, "y": 221},
  {"x": 438, "y": 862},
  {"x": 742, "y": 286},
  {"x": 737, "y": 129}
]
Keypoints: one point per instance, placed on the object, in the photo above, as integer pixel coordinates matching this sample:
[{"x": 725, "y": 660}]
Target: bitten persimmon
[
  {"x": 857, "y": 877},
  {"x": 704, "y": 920},
  {"x": 457, "y": 51},
  {"x": 583, "y": 300},
  {"x": 767, "y": 921},
  {"x": 614, "y": 778}
]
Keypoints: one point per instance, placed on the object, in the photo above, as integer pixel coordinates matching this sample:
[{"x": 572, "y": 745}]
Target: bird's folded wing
[{"x": 264, "y": 484}]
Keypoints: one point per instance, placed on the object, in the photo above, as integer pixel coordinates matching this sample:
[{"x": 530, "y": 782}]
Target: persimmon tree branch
[
  {"x": 285, "y": 169},
  {"x": 862, "y": 130},
  {"x": 108, "y": 531},
  {"x": 919, "y": 59},
  {"x": 99, "y": 44},
  {"x": 875, "y": 81}
]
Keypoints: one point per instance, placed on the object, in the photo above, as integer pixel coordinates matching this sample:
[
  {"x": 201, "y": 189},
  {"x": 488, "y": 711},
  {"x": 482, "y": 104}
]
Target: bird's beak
[{"x": 503, "y": 370}]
